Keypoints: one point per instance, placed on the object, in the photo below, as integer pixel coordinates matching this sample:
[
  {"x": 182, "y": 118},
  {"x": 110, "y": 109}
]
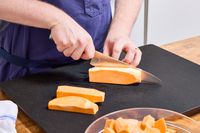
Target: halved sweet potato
[{"x": 114, "y": 75}]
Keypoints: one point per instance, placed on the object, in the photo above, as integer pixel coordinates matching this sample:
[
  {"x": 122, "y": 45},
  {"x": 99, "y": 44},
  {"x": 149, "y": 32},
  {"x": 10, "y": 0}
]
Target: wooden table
[{"x": 188, "y": 49}]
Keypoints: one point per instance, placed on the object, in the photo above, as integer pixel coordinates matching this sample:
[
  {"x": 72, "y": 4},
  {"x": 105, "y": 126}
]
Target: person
[{"x": 77, "y": 29}]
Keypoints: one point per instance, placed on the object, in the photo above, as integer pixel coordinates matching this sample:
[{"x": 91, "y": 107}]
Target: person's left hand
[{"x": 114, "y": 45}]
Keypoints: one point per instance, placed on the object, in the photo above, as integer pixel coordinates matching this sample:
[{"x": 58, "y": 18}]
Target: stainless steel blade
[
  {"x": 147, "y": 77},
  {"x": 101, "y": 60}
]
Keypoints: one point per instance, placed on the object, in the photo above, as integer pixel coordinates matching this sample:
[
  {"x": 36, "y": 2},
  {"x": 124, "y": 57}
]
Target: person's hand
[
  {"x": 72, "y": 40},
  {"x": 114, "y": 45}
]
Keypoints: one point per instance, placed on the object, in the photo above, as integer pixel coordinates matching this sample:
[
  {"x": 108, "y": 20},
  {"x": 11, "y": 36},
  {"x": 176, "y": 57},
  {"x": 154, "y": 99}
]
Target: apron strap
[{"x": 19, "y": 61}]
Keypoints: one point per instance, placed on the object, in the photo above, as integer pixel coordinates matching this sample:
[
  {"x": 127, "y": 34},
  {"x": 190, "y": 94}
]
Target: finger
[
  {"x": 137, "y": 58},
  {"x": 89, "y": 51},
  {"x": 60, "y": 48},
  {"x": 62, "y": 45},
  {"x": 129, "y": 56},
  {"x": 106, "y": 49},
  {"x": 117, "y": 49},
  {"x": 68, "y": 51},
  {"x": 77, "y": 53}
]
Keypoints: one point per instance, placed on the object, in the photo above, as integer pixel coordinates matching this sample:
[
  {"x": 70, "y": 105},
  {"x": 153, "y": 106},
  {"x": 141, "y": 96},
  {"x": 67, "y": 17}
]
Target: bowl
[{"x": 174, "y": 120}]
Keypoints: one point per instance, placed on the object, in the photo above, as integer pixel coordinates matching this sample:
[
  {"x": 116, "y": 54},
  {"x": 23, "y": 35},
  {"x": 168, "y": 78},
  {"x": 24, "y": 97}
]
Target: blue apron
[{"x": 26, "y": 50}]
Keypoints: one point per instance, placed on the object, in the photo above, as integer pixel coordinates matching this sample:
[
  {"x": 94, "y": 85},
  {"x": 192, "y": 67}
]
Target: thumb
[{"x": 88, "y": 52}]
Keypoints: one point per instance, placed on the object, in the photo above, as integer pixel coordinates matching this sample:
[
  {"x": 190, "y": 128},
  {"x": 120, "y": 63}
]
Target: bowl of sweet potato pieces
[{"x": 144, "y": 120}]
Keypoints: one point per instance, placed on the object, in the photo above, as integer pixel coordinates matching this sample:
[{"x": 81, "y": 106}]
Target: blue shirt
[{"x": 34, "y": 44}]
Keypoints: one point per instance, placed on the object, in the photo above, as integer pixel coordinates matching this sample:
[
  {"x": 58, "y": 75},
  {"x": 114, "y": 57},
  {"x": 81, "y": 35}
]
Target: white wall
[
  {"x": 172, "y": 20},
  {"x": 137, "y": 33},
  {"x": 168, "y": 21}
]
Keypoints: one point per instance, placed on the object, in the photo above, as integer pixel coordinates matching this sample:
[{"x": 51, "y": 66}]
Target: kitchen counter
[{"x": 188, "y": 49}]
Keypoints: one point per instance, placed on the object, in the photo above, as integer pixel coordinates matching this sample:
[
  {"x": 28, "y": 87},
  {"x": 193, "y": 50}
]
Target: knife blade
[{"x": 101, "y": 60}]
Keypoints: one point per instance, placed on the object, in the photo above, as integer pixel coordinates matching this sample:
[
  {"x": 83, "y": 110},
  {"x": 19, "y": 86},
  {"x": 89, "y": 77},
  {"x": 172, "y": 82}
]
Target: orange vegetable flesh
[
  {"x": 125, "y": 125},
  {"x": 109, "y": 123},
  {"x": 161, "y": 125},
  {"x": 120, "y": 125},
  {"x": 148, "y": 121},
  {"x": 114, "y": 75},
  {"x": 88, "y": 93},
  {"x": 73, "y": 104}
]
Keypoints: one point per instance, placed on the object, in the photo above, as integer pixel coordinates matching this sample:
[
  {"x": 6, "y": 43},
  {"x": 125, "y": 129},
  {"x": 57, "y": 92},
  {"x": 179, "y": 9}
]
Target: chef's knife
[{"x": 101, "y": 60}]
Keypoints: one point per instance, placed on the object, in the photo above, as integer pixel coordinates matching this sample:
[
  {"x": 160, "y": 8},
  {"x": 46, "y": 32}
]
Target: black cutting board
[{"x": 179, "y": 91}]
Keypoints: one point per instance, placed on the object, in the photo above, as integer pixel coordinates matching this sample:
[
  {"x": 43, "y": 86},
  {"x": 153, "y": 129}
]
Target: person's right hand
[{"x": 72, "y": 40}]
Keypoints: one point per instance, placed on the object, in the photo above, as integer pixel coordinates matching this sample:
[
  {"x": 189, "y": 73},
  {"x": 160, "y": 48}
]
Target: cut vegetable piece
[
  {"x": 114, "y": 75},
  {"x": 151, "y": 130},
  {"x": 120, "y": 124},
  {"x": 161, "y": 125},
  {"x": 125, "y": 125},
  {"x": 90, "y": 94},
  {"x": 110, "y": 123},
  {"x": 137, "y": 129},
  {"x": 132, "y": 124},
  {"x": 108, "y": 130},
  {"x": 148, "y": 121},
  {"x": 73, "y": 104}
]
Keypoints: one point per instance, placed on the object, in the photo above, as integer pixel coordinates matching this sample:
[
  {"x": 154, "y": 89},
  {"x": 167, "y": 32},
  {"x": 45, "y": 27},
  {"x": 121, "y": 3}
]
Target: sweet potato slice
[
  {"x": 73, "y": 104},
  {"x": 88, "y": 93}
]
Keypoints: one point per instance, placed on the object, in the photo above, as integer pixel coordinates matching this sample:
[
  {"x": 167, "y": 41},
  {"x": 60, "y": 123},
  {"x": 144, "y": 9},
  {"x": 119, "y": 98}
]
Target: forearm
[
  {"x": 31, "y": 12},
  {"x": 126, "y": 12}
]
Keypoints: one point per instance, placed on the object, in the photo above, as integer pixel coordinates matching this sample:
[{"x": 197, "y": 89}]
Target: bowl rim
[{"x": 148, "y": 108}]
